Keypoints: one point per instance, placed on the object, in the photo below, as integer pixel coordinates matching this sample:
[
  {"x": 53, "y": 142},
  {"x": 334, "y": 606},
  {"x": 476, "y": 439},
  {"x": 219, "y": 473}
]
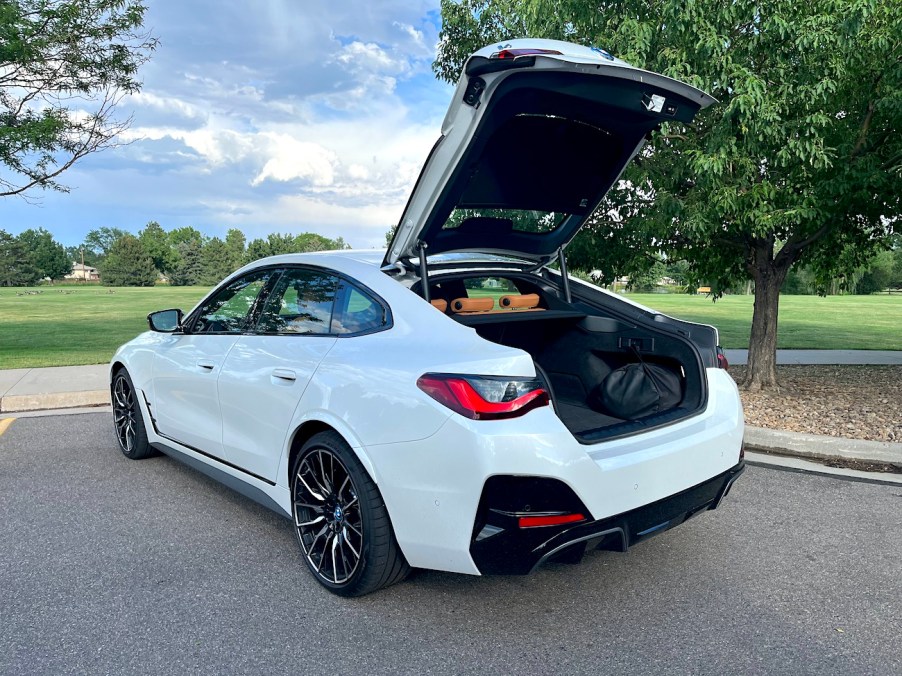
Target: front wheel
[
  {"x": 341, "y": 521},
  {"x": 127, "y": 419}
]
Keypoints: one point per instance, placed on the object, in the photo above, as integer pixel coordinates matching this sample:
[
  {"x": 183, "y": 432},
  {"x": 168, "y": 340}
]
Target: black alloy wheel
[
  {"x": 127, "y": 419},
  {"x": 341, "y": 521}
]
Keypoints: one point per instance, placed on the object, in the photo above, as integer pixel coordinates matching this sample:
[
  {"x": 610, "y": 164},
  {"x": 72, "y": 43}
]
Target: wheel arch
[{"x": 313, "y": 426}]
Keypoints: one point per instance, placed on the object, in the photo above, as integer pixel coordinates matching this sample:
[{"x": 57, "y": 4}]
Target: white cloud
[
  {"x": 291, "y": 159},
  {"x": 280, "y": 113}
]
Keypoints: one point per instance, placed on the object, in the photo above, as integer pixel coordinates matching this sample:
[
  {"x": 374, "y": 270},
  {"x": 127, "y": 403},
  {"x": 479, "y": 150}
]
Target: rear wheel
[
  {"x": 127, "y": 419},
  {"x": 341, "y": 521}
]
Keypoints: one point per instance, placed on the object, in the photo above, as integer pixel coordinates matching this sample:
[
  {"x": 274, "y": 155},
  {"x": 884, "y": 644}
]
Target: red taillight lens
[
  {"x": 548, "y": 520},
  {"x": 484, "y": 398},
  {"x": 514, "y": 53}
]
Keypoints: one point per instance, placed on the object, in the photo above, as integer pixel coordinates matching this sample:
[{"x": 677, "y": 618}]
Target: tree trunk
[{"x": 761, "y": 372}]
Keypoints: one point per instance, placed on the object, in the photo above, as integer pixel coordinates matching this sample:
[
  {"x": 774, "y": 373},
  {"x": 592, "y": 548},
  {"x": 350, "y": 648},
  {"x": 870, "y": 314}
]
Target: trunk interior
[{"x": 576, "y": 347}]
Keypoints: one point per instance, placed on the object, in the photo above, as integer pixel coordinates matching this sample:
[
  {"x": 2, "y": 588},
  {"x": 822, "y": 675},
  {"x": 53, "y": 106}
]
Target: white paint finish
[
  {"x": 185, "y": 398},
  {"x": 462, "y": 121},
  {"x": 257, "y": 406},
  {"x": 432, "y": 487}
]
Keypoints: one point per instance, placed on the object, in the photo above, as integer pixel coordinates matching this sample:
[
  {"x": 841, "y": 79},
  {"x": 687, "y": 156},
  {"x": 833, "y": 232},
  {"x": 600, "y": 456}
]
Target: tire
[
  {"x": 341, "y": 521},
  {"x": 128, "y": 423}
]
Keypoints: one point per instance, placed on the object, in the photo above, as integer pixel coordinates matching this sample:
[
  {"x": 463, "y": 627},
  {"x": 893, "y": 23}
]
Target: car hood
[{"x": 537, "y": 133}]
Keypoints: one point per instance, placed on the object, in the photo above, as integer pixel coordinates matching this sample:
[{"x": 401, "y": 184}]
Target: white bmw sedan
[{"x": 455, "y": 403}]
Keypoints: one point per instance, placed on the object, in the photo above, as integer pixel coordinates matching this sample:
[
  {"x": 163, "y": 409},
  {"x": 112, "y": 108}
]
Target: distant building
[{"x": 85, "y": 272}]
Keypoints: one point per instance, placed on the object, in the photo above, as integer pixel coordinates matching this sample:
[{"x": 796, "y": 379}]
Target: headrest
[
  {"x": 472, "y": 304},
  {"x": 526, "y": 301},
  {"x": 440, "y": 304}
]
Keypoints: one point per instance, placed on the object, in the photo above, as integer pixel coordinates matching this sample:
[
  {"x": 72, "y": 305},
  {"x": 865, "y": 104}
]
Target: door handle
[
  {"x": 206, "y": 365},
  {"x": 284, "y": 374}
]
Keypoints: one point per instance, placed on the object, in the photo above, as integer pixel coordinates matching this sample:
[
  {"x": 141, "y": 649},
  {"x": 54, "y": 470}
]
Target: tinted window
[
  {"x": 358, "y": 312},
  {"x": 301, "y": 303},
  {"x": 230, "y": 308}
]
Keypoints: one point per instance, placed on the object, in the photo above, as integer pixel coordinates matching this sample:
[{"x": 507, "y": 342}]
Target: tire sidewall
[
  {"x": 141, "y": 447},
  {"x": 334, "y": 444}
]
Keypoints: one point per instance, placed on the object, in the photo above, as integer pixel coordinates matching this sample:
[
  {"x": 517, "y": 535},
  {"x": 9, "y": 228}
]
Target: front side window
[
  {"x": 301, "y": 303},
  {"x": 230, "y": 309}
]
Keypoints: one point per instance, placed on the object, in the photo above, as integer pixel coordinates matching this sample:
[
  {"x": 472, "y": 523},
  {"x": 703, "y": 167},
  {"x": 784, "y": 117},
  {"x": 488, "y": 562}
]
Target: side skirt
[{"x": 257, "y": 495}]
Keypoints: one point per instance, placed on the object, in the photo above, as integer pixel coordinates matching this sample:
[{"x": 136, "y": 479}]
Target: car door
[
  {"x": 185, "y": 369},
  {"x": 266, "y": 372}
]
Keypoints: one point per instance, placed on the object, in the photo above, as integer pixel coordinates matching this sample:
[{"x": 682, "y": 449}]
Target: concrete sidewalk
[
  {"x": 740, "y": 357},
  {"x": 78, "y": 386},
  {"x": 53, "y": 387}
]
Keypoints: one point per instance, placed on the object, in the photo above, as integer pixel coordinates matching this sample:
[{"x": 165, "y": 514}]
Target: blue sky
[{"x": 275, "y": 116}]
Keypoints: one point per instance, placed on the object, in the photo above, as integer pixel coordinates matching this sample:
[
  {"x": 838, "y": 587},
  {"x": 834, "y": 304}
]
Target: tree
[
  {"x": 64, "y": 66},
  {"x": 100, "y": 241},
  {"x": 799, "y": 163},
  {"x": 156, "y": 244},
  {"x": 128, "y": 264},
  {"x": 216, "y": 262},
  {"x": 189, "y": 265},
  {"x": 16, "y": 268},
  {"x": 235, "y": 244},
  {"x": 46, "y": 254}
]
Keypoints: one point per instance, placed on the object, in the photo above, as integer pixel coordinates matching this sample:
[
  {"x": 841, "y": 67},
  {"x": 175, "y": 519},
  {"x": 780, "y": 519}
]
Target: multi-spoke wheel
[
  {"x": 341, "y": 521},
  {"x": 127, "y": 420}
]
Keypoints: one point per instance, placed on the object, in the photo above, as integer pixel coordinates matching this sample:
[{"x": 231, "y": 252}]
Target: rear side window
[
  {"x": 357, "y": 312},
  {"x": 301, "y": 303}
]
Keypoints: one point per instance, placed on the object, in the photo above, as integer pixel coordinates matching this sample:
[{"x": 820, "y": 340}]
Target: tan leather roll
[
  {"x": 439, "y": 304},
  {"x": 472, "y": 304},
  {"x": 529, "y": 300}
]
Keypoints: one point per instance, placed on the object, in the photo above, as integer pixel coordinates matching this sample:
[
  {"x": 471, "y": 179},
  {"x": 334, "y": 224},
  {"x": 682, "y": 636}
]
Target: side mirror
[{"x": 165, "y": 321}]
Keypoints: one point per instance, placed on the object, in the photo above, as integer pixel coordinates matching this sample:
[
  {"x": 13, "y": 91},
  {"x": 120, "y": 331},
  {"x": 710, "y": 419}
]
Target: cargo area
[{"x": 582, "y": 352}]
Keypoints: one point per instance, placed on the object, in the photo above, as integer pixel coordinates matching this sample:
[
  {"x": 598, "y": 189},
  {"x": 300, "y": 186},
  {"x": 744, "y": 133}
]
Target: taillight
[
  {"x": 514, "y": 53},
  {"x": 485, "y": 397},
  {"x": 722, "y": 360}
]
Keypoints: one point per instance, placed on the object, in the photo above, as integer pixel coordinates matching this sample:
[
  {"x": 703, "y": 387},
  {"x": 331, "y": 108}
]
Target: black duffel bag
[{"x": 637, "y": 390}]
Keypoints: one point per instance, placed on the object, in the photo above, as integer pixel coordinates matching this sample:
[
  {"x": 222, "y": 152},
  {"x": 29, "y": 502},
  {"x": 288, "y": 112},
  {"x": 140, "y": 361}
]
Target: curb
[
  {"x": 851, "y": 453},
  {"x": 17, "y": 403}
]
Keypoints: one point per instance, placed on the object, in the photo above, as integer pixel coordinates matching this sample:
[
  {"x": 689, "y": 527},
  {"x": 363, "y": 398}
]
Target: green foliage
[
  {"x": 277, "y": 244},
  {"x": 16, "y": 268},
  {"x": 216, "y": 262},
  {"x": 47, "y": 255},
  {"x": 101, "y": 240},
  {"x": 156, "y": 244},
  {"x": 799, "y": 163},
  {"x": 64, "y": 65},
  {"x": 235, "y": 242},
  {"x": 188, "y": 268},
  {"x": 128, "y": 264}
]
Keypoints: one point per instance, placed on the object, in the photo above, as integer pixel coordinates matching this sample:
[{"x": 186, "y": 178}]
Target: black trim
[
  {"x": 213, "y": 457},
  {"x": 499, "y": 547},
  {"x": 229, "y": 480},
  {"x": 260, "y": 303},
  {"x": 153, "y": 423}
]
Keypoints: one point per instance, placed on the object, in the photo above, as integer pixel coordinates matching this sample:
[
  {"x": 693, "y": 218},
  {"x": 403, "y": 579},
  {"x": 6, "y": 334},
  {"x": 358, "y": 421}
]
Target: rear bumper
[{"x": 501, "y": 548}]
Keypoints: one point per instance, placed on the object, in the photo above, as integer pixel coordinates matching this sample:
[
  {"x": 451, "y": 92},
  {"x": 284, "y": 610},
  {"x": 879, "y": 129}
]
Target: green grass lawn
[
  {"x": 85, "y": 325},
  {"x": 69, "y": 325}
]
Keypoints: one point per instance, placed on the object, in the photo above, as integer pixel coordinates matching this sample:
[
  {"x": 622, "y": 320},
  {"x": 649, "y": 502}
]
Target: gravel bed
[{"x": 856, "y": 402}]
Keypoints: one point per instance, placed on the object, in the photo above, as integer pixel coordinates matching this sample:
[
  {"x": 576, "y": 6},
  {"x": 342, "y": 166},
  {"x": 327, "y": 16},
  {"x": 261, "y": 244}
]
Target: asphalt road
[{"x": 114, "y": 566}]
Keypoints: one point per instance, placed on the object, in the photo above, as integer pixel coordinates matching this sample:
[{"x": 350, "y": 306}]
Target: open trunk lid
[{"x": 537, "y": 133}]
